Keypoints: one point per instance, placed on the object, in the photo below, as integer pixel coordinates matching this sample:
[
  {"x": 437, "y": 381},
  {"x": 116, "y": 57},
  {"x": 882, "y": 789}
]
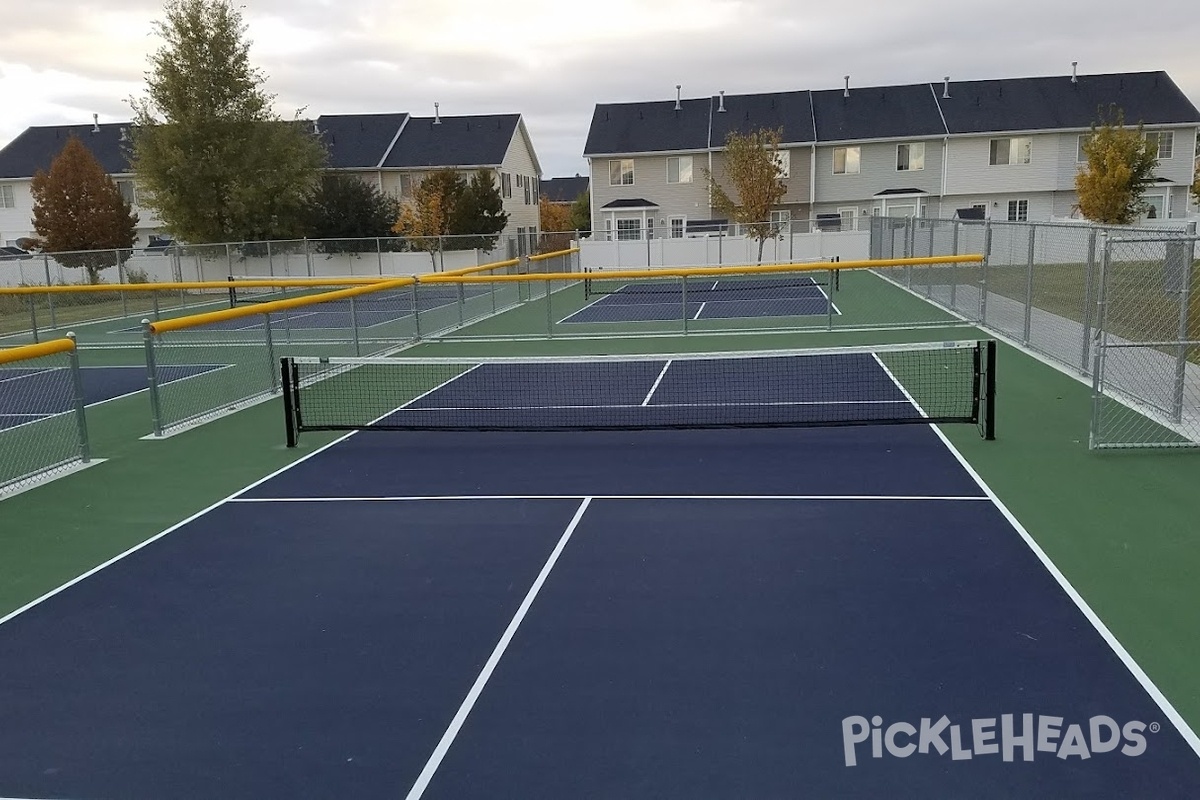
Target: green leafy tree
[
  {"x": 426, "y": 218},
  {"x": 78, "y": 207},
  {"x": 215, "y": 161},
  {"x": 478, "y": 214},
  {"x": 1120, "y": 165},
  {"x": 581, "y": 214},
  {"x": 344, "y": 207},
  {"x": 755, "y": 177}
]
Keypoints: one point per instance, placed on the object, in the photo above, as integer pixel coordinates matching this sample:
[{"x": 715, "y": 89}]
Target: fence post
[
  {"x": 549, "y": 312},
  {"x": 1088, "y": 270},
  {"x": 954, "y": 267},
  {"x": 441, "y": 255},
  {"x": 354, "y": 326},
  {"x": 307, "y": 258},
  {"x": 271, "y": 362},
  {"x": 1185, "y": 291},
  {"x": 379, "y": 253},
  {"x": 1029, "y": 283},
  {"x": 228, "y": 260},
  {"x": 33, "y": 326},
  {"x": 85, "y": 454},
  {"x": 683, "y": 293},
  {"x": 829, "y": 300},
  {"x": 152, "y": 379},
  {"x": 1101, "y": 341},
  {"x": 983, "y": 271},
  {"x": 416, "y": 304}
]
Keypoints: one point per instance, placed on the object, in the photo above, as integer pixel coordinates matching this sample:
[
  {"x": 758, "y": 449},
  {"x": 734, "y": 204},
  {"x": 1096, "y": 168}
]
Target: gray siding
[
  {"x": 968, "y": 168},
  {"x": 877, "y": 172},
  {"x": 520, "y": 160},
  {"x": 797, "y": 182}
]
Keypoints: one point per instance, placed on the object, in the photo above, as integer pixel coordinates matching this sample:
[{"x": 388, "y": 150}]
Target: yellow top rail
[
  {"x": 684, "y": 272},
  {"x": 10, "y": 355},
  {"x": 197, "y": 320},
  {"x": 555, "y": 254}
]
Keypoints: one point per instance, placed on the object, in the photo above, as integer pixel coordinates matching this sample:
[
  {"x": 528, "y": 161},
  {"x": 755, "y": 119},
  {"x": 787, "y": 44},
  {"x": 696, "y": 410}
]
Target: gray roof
[
  {"x": 37, "y": 147},
  {"x": 631, "y": 202},
  {"x": 1029, "y": 104},
  {"x": 563, "y": 190},
  {"x": 649, "y": 127},
  {"x": 891, "y": 112},
  {"x": 455, "y": 141},
  {"x": 358, "y": 141}
]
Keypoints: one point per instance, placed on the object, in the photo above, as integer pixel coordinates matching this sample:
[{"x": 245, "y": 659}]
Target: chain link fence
[
  {"x": 1146, "y": 376},
  {"x": 43, "y": 430}
]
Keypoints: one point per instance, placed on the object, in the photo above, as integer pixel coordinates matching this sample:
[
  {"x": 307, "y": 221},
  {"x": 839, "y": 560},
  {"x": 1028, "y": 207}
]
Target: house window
[
  {"x": 608, "y": 230},
  {"x": 650, "y": 228},
  {"x": 128, "y": 192},
  {"x": 409, "y": 181},
  {"x": 679, "y": 169},
  {"x": 629, "y": 229},
  {"x": 1080, "y": 155},
  {"x": 1162, "y": 143},
  {"x": 1156, "y": 206},
  {"x": 846, "y": 160},
  {"x": 784, "y": 159},
  {"x": 6, "y": 196},
  {"x": 527, "y": 192},
  {"x": 1013, "y": 150},
  {"x": 982, "y": 207},
  {"x": 1018, "y": 210},
  {"x": 678, "y": 226},
  {"x": 780, "y": 220},
  {"x": 537, "y": 197},
  {"x": 849, "y": 216},
  {"x": 505, "y": 185},
  {"x": 910, "y": 157},
  {"x": 620, "y": 173}
]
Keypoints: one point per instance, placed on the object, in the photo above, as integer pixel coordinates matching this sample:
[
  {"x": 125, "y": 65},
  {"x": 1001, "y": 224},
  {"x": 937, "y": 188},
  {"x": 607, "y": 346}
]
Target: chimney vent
[
  {"x": 316, "y": 128},
  {"x": 437, "y": 117},
  {"x": 946, "y": 87},
  {"x": 95, "y": 123},
  {"x": 721, "y": 107},
  {"x": 846, "y": 91},
  {"x": 678, "y": 98},
  {"x": 1074, "y": 72}
]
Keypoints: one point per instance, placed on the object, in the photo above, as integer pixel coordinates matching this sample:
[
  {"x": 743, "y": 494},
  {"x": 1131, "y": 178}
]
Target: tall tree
[
  {"x": 1196, "y": 182},
  {"x": 1120, "y": 165},
  {"x": 478, "y": 215},
  {"x": 344, "y": 207},
  {"x": 216, "y": 162},
  {"x": 555, "y": 222},
  {"x": 78, "y": 207},
  {"x": 426, "y": 218},
  {"x": 581, "y": 214},
  {"x": 755, "y": 176}
]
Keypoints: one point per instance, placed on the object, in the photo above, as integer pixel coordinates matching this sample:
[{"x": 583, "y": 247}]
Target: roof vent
[
  {"x": 846, "y": 91},
  {"x": 316, "y": 128},
  {"x": 1074, "y": 72},
  {"x": 946, "y": 87},
  {"x": 721, "y": 107},
  {"x": 437, "y": 117},
  {"x": 678, "y": 98},
  {"x": 95, "y": 123}
]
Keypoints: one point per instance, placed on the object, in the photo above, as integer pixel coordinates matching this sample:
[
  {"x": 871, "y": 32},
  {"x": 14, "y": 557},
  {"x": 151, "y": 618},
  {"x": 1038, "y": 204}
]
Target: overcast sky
[{"x": 553, "y": 60}]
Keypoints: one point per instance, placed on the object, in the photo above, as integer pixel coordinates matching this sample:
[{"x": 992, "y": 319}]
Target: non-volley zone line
[{"x": 848, "y": 498}]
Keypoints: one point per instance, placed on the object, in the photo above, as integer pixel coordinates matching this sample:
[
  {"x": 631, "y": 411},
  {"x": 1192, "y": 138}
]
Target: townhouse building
[
  {"x": 1009, "y": 148},
  {"x": 392, "y": 151}
]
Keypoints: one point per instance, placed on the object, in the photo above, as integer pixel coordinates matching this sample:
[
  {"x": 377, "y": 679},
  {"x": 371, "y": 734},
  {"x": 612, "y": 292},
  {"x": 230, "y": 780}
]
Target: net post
[
  {"x": 85, "y": 453},
  {"x": 152, "y": 378},
  {"x": 683, "y": 293},
  {"x": 232, "y": 293},
  {"x": 549, "y": 312},
  {"x": 989, "y": 406},
  {"x": 121, "y": 282},
  {"x": 287, "y": 381},
  {"x": 33, "y": 326},
  {"x": 461, "y": 302},
  {"x": 416, "y": 304},
  {"x": 269, "y": 341},
  {"x": 353, "y": 327}
]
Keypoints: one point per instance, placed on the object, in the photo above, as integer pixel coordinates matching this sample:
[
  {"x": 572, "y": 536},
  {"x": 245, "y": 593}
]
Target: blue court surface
[
  {"x": 718, "y": 299},
  {"x": 763, "y": 613},
  {"x": 27, "y": 395}
]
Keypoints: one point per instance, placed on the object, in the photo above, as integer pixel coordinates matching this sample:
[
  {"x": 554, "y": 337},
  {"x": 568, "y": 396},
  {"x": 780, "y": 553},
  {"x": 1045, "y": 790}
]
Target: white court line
[
  {"x": 700, "y": 310},
  {"x": 746, "y": 404},
  {"x": 30, "y": 374},
  {"x": 24, "y": 416},
  {"x": 1107, "y": 635},
  {"x": 581, "y": 310},
  {"x": 468, "y": 703},
  {"x": 657, "y": 381},
  {"x": 852, "y": 498}
]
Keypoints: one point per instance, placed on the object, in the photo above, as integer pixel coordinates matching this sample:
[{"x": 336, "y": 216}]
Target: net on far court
[{"x": 945, "y": 382}]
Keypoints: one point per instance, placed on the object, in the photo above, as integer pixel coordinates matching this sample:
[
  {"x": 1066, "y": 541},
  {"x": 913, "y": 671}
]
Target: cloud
[{"x": 553, "y": 61}]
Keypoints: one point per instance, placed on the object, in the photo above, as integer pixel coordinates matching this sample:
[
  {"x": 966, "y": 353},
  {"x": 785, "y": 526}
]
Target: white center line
[
  {"x": 657, "y": 381},
  {"x": 700, "y": 310},
  {"x": 456, "y": 724}
]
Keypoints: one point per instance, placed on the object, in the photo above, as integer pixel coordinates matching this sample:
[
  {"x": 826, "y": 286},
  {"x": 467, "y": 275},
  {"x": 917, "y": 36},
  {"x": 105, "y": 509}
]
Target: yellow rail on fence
[{"x": 10, "y": 355}]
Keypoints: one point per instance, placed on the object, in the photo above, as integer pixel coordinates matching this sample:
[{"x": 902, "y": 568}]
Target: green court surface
[{"x": 1121, "y": 526}]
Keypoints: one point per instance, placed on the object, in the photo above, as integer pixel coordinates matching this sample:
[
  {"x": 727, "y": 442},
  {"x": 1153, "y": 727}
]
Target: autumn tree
[
  {"x": 344, "y": 207},
  {"x": 581, "y": 214},
  {"x": 1196, "y": 182},
  {"x": 478, "y": 214},
  {"x": 1120, "y": 165},
  {"x": 755, "y": 176},
  {"x": 216, "y": 162},
  {"x": 554, "y": 220},
  {"x": 78, "y": 207},
  {"x": 426, "y": 218}
]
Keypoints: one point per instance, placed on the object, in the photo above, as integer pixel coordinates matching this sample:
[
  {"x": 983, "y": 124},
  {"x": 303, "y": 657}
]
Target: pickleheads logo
[{"x": 1028, "y": 734}]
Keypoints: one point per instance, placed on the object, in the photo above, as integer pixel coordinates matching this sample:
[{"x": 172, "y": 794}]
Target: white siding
[
  {"x": 877, "y": 171},
  {"x": 520, "y": 160},
  {"x": 17, "y": 222},
  {"x": 968, "y": 168}
]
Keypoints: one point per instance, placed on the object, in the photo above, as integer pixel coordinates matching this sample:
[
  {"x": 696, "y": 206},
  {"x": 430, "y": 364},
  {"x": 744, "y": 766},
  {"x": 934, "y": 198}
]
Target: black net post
[
  {"x": 989, "y": 402},
  {"x": 232, "y": 293},
  {"x": 286, "y": 380}
]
